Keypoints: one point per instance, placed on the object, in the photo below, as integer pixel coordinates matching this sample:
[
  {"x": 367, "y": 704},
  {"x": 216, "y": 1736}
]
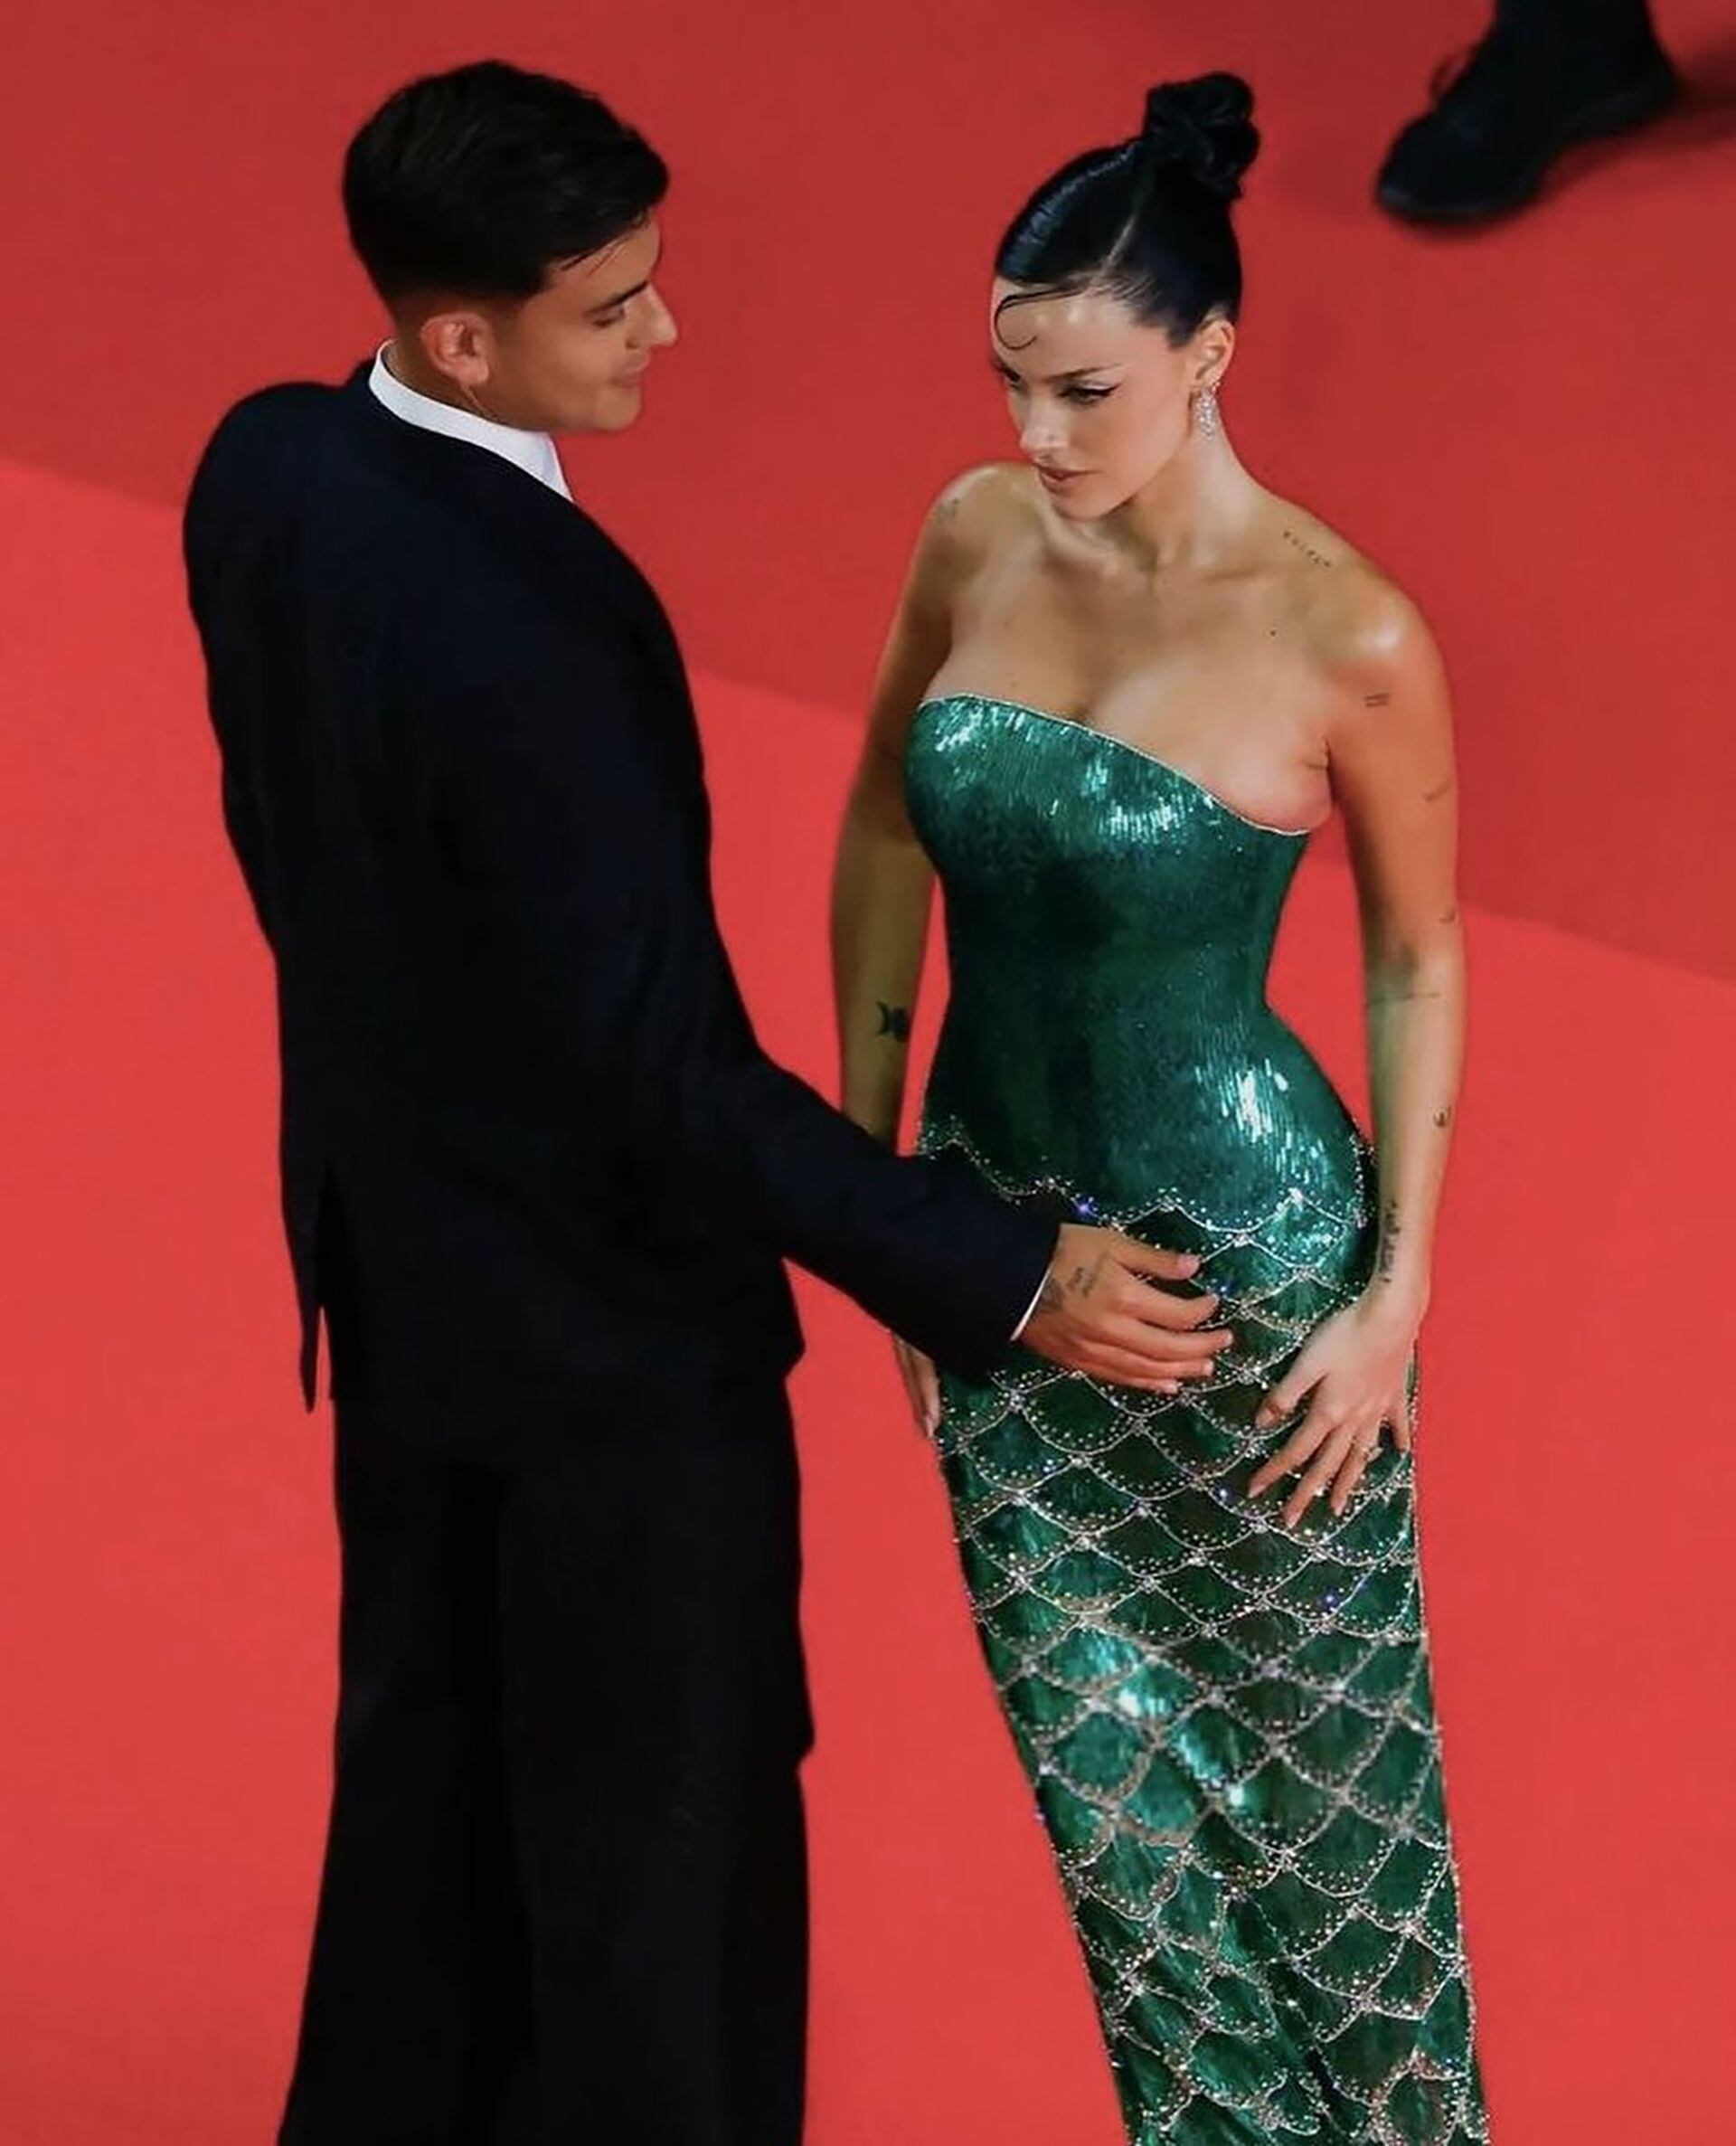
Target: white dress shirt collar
[{"x": 533, "y": 452}]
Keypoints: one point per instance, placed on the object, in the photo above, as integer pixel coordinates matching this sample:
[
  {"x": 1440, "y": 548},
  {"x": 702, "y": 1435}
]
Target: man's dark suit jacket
[{"x": 520, "y": 1091}]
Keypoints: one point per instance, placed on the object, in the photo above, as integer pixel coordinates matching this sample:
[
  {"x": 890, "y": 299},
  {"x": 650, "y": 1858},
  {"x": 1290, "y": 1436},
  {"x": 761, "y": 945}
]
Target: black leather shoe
[{"x": 1541, "y": 79}]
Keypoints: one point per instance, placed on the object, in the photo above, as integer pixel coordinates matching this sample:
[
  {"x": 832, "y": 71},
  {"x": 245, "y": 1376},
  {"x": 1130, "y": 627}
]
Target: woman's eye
[{"x": 1088, "y": 394}]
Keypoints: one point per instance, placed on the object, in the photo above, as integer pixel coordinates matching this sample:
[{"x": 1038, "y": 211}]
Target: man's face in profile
[{"x": 572, "y": 358}]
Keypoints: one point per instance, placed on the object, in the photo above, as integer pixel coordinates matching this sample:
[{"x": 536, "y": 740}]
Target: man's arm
[{"x": 573, "y": 802}]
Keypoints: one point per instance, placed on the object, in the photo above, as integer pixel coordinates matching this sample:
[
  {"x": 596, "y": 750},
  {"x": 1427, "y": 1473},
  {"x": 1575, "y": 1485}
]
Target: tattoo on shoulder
[
  {"x": 894, "y": 1021},
  {"x": 1307, "y": 550}
]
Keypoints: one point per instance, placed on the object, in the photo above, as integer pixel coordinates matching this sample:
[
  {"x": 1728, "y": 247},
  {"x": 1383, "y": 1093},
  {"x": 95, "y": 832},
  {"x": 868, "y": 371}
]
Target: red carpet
[{"x": 1533, "y": 429}]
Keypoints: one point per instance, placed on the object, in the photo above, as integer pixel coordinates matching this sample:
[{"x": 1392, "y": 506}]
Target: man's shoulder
[{"x": 267, "y": 417}]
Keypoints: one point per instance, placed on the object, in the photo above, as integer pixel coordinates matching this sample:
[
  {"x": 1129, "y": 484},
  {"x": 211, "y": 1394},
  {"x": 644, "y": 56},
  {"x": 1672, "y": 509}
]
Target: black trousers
[{"x": 564, "y": 1900}]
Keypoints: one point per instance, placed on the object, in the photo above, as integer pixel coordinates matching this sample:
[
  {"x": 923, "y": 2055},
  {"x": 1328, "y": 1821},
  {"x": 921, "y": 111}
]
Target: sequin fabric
[{"x": 1229, "y": 1725}]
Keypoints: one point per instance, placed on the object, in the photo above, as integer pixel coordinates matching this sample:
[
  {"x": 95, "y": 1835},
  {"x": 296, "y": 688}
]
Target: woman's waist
[{"x": 1239, "y": 1124}]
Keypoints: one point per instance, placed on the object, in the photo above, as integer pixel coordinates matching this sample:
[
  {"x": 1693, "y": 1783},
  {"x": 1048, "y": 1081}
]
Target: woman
[{"x": 1124, "y": 686}]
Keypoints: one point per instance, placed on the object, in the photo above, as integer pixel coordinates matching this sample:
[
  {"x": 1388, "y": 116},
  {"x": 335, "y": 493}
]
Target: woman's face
[{"x": 1101, "y": 401}]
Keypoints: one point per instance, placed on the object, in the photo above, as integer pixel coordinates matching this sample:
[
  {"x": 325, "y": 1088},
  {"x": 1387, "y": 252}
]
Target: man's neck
[{"x": 409, "y": 369}]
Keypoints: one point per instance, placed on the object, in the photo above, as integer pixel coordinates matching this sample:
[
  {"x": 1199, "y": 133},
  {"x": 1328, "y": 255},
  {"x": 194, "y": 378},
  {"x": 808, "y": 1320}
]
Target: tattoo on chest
[{"x": 894, "y": 1021}]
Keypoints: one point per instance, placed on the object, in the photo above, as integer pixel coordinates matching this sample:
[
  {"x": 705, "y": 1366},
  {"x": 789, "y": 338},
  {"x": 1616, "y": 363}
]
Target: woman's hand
[
  {"x": 1351, "y": 1371},
  {"x": 921, "y": 1384}
]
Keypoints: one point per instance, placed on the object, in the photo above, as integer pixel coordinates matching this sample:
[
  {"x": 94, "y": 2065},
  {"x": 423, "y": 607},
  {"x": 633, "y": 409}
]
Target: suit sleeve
[{"x": 574, "y": 806}]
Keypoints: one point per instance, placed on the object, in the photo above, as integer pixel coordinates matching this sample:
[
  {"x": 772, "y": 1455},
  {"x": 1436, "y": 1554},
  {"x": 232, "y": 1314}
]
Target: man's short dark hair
[{"x": 479, "y": 181}]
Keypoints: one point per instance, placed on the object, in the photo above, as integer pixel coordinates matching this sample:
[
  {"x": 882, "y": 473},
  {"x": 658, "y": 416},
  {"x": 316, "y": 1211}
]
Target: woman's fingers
[
  {"x": 1316, "y": 1477},
  {"x": 1288, "y": 1395},
  {"x": 1363, "y": 1446},
  {"x": 1317, "y": 1425}
]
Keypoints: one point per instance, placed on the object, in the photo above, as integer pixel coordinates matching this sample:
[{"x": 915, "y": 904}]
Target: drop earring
[{"x": 1206, "y": 420}]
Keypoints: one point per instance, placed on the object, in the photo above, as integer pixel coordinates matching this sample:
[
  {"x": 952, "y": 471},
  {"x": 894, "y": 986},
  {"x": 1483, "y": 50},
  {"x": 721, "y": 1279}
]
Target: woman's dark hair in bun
[{"x": 1147, "y": 220}]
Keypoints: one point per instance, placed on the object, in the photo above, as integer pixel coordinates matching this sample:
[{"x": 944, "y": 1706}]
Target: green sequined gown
[{"x": 1228, "y": 1726}]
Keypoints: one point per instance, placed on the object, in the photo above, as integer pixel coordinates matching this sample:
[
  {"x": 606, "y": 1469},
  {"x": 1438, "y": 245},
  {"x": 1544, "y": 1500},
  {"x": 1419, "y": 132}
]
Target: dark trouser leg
[
  {"x": 656, "y": 1712},
  {"x": 564, "y": 1901},
  {"x": 415, "y": 1988}
]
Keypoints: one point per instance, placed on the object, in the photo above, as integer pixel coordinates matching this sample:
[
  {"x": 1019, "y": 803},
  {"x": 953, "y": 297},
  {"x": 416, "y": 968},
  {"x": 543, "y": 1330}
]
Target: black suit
[{"x": 540, "y": 1178}]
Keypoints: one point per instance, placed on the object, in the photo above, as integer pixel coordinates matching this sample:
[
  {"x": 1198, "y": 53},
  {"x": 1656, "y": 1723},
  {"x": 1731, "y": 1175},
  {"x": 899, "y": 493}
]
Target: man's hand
[{"x": 1098, "y": 1314}]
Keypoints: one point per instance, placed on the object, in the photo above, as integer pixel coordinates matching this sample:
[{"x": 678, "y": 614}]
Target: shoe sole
[{"x": 1631, "y": 108}]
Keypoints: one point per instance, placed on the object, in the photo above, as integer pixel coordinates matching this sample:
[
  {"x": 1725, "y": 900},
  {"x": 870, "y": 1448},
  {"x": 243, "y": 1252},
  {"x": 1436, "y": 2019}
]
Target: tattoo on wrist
[
  {"x": 1400, "y": 997},
  {"x": 1051, "y": 1296},
  {"x": 894, "y": 1021},
  {"x": 1084, "y": 1280},
  {"x": 1389, "y": 1250}
]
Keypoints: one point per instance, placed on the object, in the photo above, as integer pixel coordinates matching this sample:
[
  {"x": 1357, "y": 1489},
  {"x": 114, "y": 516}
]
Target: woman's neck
[{"x": 1191, "y": 512}]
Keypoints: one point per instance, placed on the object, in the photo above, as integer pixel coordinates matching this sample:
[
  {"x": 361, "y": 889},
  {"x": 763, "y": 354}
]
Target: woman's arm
[
  {"x": 1393, "y": 777},
  {"x": 1391, "y": 768},
  {"x": 882, "y": 885}
]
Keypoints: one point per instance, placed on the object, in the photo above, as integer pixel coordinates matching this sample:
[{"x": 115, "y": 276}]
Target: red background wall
[{"x": 1532, "y": 429}]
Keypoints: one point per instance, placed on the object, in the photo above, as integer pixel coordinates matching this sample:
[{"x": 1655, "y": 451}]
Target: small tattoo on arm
[
  {"x": 1444, "y": 1118},
  {"x": 1450, "y": 916},
  {"x": 894, "y": 1021},
  {"x": 1430, "y": 797}
]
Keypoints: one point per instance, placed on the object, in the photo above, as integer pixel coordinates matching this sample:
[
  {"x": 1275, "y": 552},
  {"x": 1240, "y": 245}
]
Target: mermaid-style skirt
[{"x": 1229, "y": 1725}]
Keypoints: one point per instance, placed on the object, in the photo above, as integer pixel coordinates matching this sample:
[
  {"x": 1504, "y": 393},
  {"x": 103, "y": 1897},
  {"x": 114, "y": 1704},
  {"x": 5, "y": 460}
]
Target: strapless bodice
[{"x": 1110, "y": 930}]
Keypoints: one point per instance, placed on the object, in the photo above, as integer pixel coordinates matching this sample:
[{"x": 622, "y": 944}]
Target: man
[{"x": 539, "y": 1177}]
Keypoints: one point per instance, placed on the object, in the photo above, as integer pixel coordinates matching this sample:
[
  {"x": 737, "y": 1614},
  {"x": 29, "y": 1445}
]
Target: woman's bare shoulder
[
  {"x": 977, "y": 511},
  {"x": 1359, "y": 624}
]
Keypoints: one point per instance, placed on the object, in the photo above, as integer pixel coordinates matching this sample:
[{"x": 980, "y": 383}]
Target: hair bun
[{"x": 1204, "y": 128}]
